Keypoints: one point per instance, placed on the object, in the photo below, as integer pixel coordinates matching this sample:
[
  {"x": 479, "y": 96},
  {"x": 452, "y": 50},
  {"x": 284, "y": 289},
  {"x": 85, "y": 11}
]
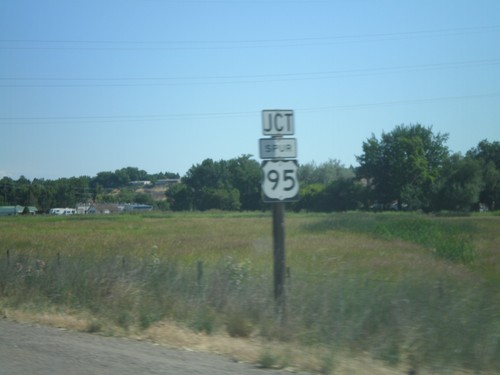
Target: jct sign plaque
[{"x": 277, "y": 122}]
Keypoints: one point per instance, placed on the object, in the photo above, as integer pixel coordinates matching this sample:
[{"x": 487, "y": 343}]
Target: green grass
[
  {"x": 406, "y": 288},
  {"x": 449, "y": 239}
]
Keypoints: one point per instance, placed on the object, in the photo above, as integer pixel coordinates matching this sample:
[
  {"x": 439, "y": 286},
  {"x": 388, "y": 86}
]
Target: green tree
[
  {"x": 345, "y": 194},
  {"x": 133, "y": 174},
  {"x": 324, "y": 173},
  {"x": 407, "y": 160},
  {"x": 208, "y": 174},
  {"x": 143, "y": 198},
  {"x": 312, "y": 197},
  {"x": 107, "y": 180},
  {"x": 21, "y": 192},
  {"x": 216, "y": 184},
  {"x": 180, "y": 197},
  {"x": 461, "y": 185},
  {"x": 125, "y": 195},
  {"x": 6, "y": 190},
  {"x": 245, "y": 175},
  {"x": 221, "y": 199},
  {"x": 45, "y": 194},
  {"x": 488, "y": 154}
]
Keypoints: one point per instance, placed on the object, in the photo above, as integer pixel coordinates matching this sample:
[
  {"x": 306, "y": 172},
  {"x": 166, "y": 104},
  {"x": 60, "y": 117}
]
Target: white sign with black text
[
  {"x": 278, "y": 148},
  {"x": 278, "y": 122},
  {"x": 279, "y": 181}
]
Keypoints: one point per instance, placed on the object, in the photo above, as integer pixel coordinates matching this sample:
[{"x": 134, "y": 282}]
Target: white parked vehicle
[{"x": 62, "y": 211}]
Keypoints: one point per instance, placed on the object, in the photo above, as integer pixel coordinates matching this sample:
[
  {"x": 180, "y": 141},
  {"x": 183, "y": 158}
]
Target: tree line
[
  {"x": 409, "y": 168},
  {"x": 105, "y": 187}
]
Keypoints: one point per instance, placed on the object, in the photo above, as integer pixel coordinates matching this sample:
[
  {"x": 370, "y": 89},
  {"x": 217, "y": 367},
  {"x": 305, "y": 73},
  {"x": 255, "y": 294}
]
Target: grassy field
[{"x": 403, "y": 290}]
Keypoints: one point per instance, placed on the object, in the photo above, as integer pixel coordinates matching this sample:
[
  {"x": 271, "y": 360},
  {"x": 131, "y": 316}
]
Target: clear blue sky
[{"x": 90, "y": 86}]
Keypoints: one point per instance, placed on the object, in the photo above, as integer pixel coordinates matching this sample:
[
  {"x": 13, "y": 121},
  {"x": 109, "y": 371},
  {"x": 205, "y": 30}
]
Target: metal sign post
[
  {"x": 279, "y": 185},
  {"x": 279, "y": 258}
]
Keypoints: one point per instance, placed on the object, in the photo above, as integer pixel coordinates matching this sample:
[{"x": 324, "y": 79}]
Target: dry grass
[
  {"x": 248, "y": 350},
  {"x": 358, "y": 302}
]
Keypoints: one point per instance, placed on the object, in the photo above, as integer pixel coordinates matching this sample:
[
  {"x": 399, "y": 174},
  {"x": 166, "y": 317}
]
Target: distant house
[
  {"x": 17, "y": 210},
  {"x": 167, "y": 182},
  {"x": 139, "y": 183},
  {"x": 32, "y": 210},
  {"x": 8, "y": 211},
  {"x": 137, "y": 207},
  {"x": 82, "y": 208},
  {"x": 104, "y": 208}
]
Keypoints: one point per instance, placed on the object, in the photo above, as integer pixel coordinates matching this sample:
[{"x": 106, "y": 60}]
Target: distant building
[
  {"x": 82, "y": 208},
  {"x": 104, "y": 208},
  {"x": 139, "y": 183},
  {"x": 17, "y": 210},
  {"x": 110, "y": 208},
  {"x": 167, "y": 182},
  {"x": 137, "y": 207}
]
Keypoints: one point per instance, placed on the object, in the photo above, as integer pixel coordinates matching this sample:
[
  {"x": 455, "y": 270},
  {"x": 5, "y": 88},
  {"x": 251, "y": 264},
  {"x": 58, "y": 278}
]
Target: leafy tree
[
  {"x": 22, "y": 193},
  {"x": 97, "y": 192},
  {"x": 208, "y": 174},
  {"x": 163, "y": 205},
  {"x": 121, "y": 177},
  {"x": 487, "y": 151},
  {"x": 205, "y": 178},
  {"x": 133, "y": 174},
  {"x": 324, "y": 173},
  {"x": 126, "y": 195},
  {"x": 222, "y": 199},
  {"x": 245, "y": 175},
  {"x": 343, "y": 195},
  {"x": 64, "y": 195},
  {"x": 488, "y": 154},
  {"x": 408, "y": 159},
  {"x": 311, "y": 197},
  {"x": 106, "y": 180},
  {"x": 6, "y": 189},
  {"x": 180, "y": 197},
  {"x": 315, "y": 180},
  {"x": 214, "y": 184},
  {"x": 462, "y": 184},
  {"x": 142, "y": 198}
]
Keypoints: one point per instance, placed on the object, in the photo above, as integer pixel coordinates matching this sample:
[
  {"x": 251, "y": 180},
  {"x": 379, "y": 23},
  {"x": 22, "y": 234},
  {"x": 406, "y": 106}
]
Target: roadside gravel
[{"x": 35, "y": 349}]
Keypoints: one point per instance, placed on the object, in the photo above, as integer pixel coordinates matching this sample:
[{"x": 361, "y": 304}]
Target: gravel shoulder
[{"x": 36, "y": 349}]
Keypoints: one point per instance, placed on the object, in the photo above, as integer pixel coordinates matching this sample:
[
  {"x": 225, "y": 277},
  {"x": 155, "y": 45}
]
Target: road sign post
[
  {"x": 279, "y": 259},
  {"x": 279, "y": 185}
]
